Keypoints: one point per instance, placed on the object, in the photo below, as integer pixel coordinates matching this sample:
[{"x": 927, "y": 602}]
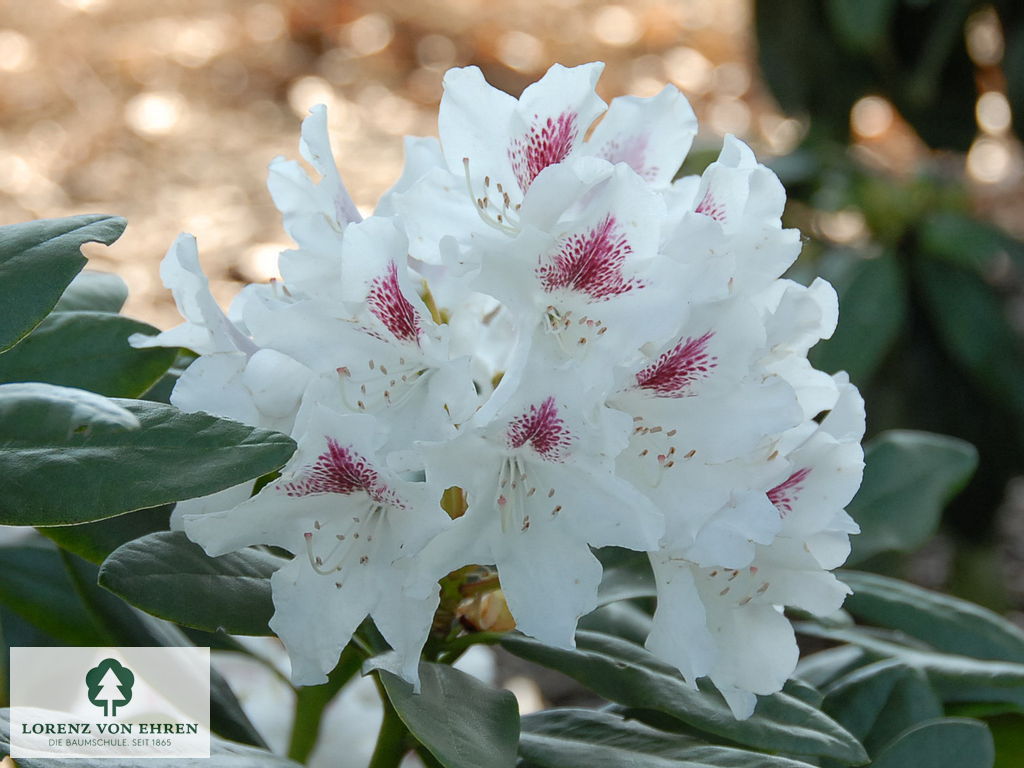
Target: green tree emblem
[{"x": 110, "y": 686}]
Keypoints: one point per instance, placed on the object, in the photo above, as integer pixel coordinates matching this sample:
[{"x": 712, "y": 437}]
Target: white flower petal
[
  {"x": 549, "y": 580},
  {"x": 315, "y": 618},
  {"x": 652, "y": 136}
]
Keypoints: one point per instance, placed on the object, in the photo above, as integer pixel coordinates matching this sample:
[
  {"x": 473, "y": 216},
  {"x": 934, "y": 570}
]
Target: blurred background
[{"x": 893, "y": 123}]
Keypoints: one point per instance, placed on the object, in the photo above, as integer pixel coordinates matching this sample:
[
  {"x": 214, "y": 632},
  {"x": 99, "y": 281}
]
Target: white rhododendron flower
[
  {"x": 542, "y": 342},
  {"x": 352, "y": 526}
]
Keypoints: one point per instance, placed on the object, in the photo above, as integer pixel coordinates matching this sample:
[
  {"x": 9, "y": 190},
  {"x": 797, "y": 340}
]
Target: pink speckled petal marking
[
  {"x": 591, "y": 263},
  {"x": 785, "y": 493},
  {"x": 542, "y": 428},
  {"x": 631, "y": 150},
  {"x": 711, "y": 207},
  {"x": 339, "y": 469},
  {"x": 676, "y": 370},
  {"x": 389, "y": 305},
  {"x": 546, "y": 143}
]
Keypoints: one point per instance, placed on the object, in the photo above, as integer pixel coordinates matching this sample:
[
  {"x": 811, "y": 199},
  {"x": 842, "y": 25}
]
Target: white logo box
[{"x": 139, "y": 702}]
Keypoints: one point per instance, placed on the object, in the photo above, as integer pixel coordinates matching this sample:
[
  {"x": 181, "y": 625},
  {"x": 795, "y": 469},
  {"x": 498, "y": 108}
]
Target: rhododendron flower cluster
[{"x": 589, "y": 351}]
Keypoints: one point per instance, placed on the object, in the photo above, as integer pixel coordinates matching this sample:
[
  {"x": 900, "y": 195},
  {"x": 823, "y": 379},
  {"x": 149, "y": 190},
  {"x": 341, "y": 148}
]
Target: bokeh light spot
[
  {"x": 370, "y": 34},
  {"x": 616, "y": 25},
  {"x": 155, "y": 113},
  {"x": 521, "y": 51},
  {"x": 17, "y": 53},
  {"x": 993, "y": 112},
  {"x": 871, "y": 117}
]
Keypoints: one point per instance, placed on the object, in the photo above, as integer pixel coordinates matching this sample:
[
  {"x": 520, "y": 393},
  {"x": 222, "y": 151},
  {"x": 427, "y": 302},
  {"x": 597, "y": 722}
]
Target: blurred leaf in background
[{"x": 892, "y": 93}]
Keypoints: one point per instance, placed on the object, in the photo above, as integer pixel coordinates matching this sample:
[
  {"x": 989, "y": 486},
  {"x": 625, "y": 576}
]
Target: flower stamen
[{"x": 504, "y": 219}]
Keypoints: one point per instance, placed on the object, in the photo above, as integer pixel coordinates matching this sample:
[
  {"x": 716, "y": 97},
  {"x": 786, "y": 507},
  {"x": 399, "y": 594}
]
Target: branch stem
[
  {"x": 392, "y": 741},
  {"x": 311, "y": 701}
]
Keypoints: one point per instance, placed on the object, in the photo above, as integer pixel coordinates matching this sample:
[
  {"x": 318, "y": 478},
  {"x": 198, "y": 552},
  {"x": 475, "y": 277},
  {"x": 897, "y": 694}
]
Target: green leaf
[
  {"x": 463, "y": 722},
  {"x": 223, "y": 754},
  {"x": 861, "y": 24},
  {"x": 35, "y": 586},
  {"x": 972, "y": 323},
  {"x": 58, "y": 413},
  {"x": 16, "y": 631},
  {"x": 627, "y": 574},
  {"x": 967, "y": 242},
  {"x": 168, "y": 576},
  {"x": 820, "y": 56},
  {"x": 872, "y": 303},
  {"x": 1008, "y": 734},
  {"x": 875, "y": 703},
  {"x": 38, "y": 260},
  {"x": 807, "y": 70},
  {"x": 908, "y": 478},
  {"x": 93, "y": 291},
  {"x": 59, "y": 479},
  {"x": 581, "y": 738},
  {"x": 161, "y": 391},
  {"x": 946, "y": 623},
  {"x": 825, "y": 667},
  {"x": 627, "y": 674},
  {"x": 87, "y": 350},
  {"x": 954, "y": 678},
  {"x": 94, "y": 541},
  {"x": 621, "y": 619},
  {"x": 804, "y": 691},
  {"x": 131, "y": 627},
  {"x": 943, "y": 743},
  {"x": 936, "y": 90}
]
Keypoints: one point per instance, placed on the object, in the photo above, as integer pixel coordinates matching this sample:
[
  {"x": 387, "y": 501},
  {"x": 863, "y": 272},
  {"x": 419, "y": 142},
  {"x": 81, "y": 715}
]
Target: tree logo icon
[{"x": 110, "y": 686}]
